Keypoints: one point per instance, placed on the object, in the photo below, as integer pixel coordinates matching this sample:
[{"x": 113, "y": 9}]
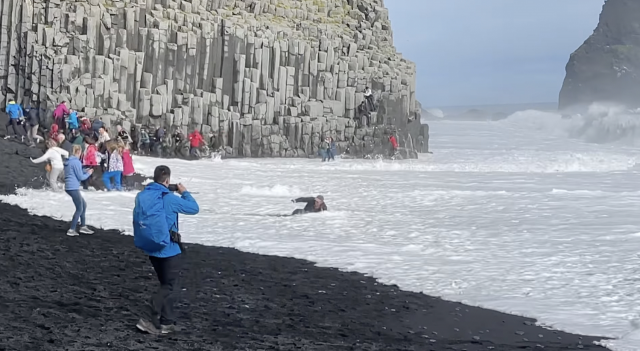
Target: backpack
[{"x": 150, "y": 228}]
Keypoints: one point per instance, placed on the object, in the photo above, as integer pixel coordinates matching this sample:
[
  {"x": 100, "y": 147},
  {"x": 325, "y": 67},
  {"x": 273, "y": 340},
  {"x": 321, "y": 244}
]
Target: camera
[{"x": 173, "y": 187}]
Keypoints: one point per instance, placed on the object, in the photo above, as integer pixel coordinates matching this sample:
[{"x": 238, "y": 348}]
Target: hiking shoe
[
  {"x": 72, "y": 232},
  {"x": 147, "y": 327},
  {"x": 85, "y": 230},
  {"x": 171, "y": 328}
]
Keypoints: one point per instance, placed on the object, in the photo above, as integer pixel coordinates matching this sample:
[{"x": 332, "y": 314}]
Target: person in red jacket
[
  {"x": 196, "y": 141},
  {"x": 394, "y": 144}
]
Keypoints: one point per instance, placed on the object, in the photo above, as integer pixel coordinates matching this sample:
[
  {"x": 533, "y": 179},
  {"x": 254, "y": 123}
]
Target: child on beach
[
  {"x": 73, "y": 175},
  {"x": 127, "y": 164},
  {"x": 55, "y": 168},
  {"x": 114, "y": 167},
  {"x": 90, "y": 159}
]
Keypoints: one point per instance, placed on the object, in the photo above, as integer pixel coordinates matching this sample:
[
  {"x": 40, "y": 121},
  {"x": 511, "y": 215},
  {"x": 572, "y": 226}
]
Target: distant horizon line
[{"x": 484, "y": 105}]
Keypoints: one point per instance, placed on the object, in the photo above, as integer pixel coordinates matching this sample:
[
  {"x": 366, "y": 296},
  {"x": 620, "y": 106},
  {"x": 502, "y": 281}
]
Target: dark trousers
[
  {"x": 168, "y": 272},
  {"x": 13, "y": 122}
]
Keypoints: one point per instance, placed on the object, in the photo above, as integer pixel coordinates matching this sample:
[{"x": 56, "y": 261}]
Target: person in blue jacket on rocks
[
  {"x": 15, "y": 113},
  {"x": 73, "y": 120},
  {"x": 155, "y": 231},
  {"x": 73, "y": 175}
]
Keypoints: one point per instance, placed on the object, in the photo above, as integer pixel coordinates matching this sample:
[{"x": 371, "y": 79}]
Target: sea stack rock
[
  {"x": 606, "y": 68},
  {"x": 268, "y": 78}
]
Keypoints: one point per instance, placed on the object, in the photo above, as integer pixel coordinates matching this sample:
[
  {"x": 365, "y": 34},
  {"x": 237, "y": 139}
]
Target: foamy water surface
[{"x": 510, "y": 215}]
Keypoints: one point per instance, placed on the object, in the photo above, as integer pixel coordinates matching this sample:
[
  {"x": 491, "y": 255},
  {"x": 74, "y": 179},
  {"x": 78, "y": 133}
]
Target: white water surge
[{"x": 511, "y": 215}]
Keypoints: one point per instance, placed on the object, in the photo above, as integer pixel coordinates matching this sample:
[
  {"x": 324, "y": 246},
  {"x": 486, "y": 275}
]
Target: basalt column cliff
[
  {"x": 266, "y": 78},
  {"x": 606, "y": 68}
]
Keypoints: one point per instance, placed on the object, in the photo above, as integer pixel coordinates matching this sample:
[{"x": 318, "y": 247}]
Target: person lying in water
[{"x": 314, "y": 204}]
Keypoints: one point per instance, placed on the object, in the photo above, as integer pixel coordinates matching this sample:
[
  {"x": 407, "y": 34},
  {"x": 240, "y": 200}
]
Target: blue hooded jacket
[
  {"x": 173, "y": 205},
  {"x": 73, "y": 120},
  {"x": 14, "y": 110},
  {"x": 73, "y": 173}
]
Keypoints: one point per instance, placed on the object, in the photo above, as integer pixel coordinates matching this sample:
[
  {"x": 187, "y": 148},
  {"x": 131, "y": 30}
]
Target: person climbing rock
[
  {"x": 33, "y": 120},
  {"x": 73, "y": 121},
  {"x": 15, "y": 113},
  {"x": 394, "y": 144},
  {"x": 313, "y": 204},
  {"x": 59, "y": 115},
  {"x": 55, "y": 167},
  {"x": 368, "y": 95},
  {"x": 196, "y": 141}
]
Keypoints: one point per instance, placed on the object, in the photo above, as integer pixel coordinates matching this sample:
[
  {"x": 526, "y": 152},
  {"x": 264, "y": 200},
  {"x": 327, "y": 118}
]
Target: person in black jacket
[{"x": 314, "y": 204}]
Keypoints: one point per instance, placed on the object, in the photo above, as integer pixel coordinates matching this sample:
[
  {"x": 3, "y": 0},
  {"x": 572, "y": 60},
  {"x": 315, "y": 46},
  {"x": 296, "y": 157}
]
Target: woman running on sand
[
  {"x": 73, "y": 175},
  {"x": 54, "y": 157}
]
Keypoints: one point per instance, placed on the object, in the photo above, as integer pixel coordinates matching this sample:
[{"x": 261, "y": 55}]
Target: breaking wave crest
[{"x": 600, "y": 124}]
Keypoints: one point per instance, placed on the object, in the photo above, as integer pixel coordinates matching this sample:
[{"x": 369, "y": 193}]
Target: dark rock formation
[
  {"x": 266, "y": 78},
  {"x": 606, "y": 68}
]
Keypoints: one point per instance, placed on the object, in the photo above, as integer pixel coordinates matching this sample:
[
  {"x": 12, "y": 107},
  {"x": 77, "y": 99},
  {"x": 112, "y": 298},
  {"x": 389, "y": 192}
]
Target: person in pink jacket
[
  {"x": 127, "y": 163},
  {"x": 59, "y": 115}
]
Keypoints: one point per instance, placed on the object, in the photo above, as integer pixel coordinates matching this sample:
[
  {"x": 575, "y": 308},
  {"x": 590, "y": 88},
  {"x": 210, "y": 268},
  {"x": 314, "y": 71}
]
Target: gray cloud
[{"x": 472, "y": 52}]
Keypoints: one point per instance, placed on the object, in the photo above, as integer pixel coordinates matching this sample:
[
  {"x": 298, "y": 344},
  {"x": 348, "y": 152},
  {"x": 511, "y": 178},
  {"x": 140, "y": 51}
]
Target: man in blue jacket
[
  {"x": 15, "y": 113},
  {"x": 166, "y": 261}
]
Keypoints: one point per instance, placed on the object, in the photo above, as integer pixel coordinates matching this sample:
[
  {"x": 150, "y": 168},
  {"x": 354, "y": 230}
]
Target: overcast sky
[{"x": 482, "y": 52}]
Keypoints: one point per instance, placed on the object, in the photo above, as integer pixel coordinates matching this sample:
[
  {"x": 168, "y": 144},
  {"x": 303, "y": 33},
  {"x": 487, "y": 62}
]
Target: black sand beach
[{"x": 86, "y": 293}]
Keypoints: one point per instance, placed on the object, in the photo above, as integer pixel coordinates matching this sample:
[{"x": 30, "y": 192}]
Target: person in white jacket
[{"x": 54, "y": 156}]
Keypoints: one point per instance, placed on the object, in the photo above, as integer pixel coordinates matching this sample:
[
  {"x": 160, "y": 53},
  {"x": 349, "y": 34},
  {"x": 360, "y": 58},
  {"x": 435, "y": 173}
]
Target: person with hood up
[
  {"x": 114, "y": 168},
  {"x": 73, "y": 175},
  {"x": 55, "y": 168},
  {"x": 59, "y": 115},
  {"x": 196, "y": 140},
  {"x": 313, "y": 204},
  {"x": 16, "y": 113}
]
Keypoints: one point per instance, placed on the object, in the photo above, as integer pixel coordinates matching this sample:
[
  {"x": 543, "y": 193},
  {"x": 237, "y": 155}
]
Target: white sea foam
[{"x": 507, "y": 215}]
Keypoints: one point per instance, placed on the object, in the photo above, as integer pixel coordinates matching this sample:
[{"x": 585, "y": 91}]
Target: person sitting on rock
[
  {"x": 59, "y": 115},
  {"x": 313, "y": 204},
  {"x": 15, "y": 113},
  {"x": 123, "y": 135},
  {"x": 196, "y": 140}
]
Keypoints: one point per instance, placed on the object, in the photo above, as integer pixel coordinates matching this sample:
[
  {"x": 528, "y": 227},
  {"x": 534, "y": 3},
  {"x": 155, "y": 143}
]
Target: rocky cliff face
[
  {"x": 606, "y": 68},
  {"x": 266, "y": 77}
]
